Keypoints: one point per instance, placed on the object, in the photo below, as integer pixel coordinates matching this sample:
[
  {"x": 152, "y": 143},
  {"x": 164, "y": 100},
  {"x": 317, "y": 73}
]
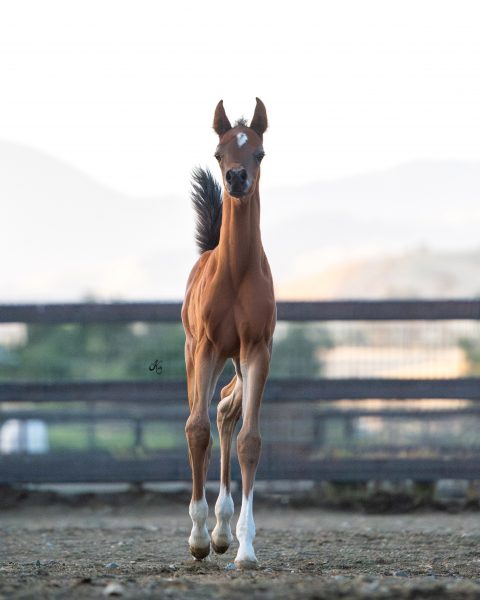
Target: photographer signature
[{"x": 156, "y": 366}]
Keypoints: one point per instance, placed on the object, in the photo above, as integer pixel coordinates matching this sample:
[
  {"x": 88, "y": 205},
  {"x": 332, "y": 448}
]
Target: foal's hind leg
[
  {"x": 207, "y": 367},
  {"x": 228, "y": 412}
]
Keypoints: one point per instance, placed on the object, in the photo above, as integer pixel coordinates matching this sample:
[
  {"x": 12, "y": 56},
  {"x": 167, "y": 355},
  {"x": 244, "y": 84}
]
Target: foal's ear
[
  {"x": 259, "y": 122},
  {"x": 221, "y": 124}
]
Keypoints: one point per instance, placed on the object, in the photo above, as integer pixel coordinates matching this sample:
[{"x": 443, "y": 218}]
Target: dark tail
[{"x": 207, "y": 201}]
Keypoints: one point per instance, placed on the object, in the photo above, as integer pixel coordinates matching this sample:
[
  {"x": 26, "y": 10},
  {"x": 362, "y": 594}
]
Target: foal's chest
[{"x": 235, "y": 316}]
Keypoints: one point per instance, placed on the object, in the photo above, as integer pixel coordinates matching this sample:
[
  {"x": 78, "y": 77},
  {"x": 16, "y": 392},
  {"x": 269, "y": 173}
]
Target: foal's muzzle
[{"x": 237, "y": 182}]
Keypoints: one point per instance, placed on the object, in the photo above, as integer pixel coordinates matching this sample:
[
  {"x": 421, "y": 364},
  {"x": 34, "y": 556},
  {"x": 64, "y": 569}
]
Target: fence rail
[
  {"x": 166, "y": 400},
  {"x": 360, "y": 310},
  {"x": 279, "y": 391},
  {"x": 102, "y": 468}
]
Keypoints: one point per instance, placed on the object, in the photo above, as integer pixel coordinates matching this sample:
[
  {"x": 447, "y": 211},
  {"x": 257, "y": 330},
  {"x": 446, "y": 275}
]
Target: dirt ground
[{"x": 139, "y": 550}]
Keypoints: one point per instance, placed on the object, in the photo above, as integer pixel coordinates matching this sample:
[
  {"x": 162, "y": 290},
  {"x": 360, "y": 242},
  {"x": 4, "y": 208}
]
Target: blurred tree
[
  {"x": 471, "y": 349},
  {"x": 96, "y": 351},
  {"x": 297, "y": 354},
  {"x": 125, "y": 351},
  {"x": 162, "y": 342}
]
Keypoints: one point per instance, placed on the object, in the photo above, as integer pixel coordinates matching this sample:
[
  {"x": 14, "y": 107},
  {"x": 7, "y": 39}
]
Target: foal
[{"x": 229, "y": 311}]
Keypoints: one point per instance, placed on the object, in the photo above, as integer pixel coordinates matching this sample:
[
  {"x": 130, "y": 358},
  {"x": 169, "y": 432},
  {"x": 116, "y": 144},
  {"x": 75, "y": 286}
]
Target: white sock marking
[
  {"x": 246, "y": 531},
  {"x": 222, "y": 534},
  {"x": 242, "y": 138},
  {"x": 198, "y": 510}
]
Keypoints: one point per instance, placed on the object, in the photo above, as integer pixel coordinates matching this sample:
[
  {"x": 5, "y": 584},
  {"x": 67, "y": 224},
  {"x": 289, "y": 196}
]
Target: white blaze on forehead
[{"x": 242, "y": 139}]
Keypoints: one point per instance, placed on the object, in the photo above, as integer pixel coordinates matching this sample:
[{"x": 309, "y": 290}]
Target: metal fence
[{"x": 313, "y": 428}]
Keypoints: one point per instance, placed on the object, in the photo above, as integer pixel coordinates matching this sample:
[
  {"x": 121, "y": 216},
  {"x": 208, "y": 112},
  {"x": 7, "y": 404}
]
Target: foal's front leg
[
  {"x": 254, "y": 372},
  {"x": 207, "y": 367}
]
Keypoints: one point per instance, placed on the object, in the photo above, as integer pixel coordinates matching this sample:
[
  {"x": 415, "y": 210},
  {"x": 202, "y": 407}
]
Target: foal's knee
[
  {"x": 249, "y": 444},
  {"x": 197, "y": 430}
]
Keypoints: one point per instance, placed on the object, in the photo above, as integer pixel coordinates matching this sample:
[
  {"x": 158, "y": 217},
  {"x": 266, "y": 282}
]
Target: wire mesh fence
[
  {"x": 109, "y": 401},
  {"x": 407, "y": 349}
]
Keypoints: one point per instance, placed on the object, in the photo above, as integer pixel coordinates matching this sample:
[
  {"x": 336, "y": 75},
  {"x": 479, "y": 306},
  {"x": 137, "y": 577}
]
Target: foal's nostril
[{"x": 236, "y": 176}]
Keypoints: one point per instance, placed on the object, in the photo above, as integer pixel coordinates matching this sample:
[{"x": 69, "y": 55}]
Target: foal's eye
[
  {"x": 260, "y": 156},
  {"x": 218, "y": 156}
]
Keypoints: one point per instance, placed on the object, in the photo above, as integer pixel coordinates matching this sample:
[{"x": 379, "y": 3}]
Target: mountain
[
  {"x": 64, "y": 236},
  {"x": 432, "y": 204},
  {"x": 417, "y": 274}
]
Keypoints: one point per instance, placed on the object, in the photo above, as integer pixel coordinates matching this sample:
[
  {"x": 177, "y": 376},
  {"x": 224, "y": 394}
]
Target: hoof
[
  {"x": 199, "y": 553},
  {"x": 221, "y": 549},
  {"x": 246, "y": 564}
]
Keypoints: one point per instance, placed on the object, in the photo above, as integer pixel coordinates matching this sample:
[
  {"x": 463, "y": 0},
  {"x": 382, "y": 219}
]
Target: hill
[
  {"x": 64, "y": 236},
  {"x": 416, "y": 274}
]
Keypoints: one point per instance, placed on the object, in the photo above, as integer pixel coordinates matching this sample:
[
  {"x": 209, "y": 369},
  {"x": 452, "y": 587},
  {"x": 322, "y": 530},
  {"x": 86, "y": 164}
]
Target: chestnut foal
[{"x": 229, "y": 311}]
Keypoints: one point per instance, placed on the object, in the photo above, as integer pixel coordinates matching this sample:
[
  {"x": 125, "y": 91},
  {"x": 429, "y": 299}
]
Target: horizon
[{"x": 161, "y": 194}]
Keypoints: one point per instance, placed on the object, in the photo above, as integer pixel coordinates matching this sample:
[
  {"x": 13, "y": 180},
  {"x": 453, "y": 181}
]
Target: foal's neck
[{"x": 240, "y": 246}]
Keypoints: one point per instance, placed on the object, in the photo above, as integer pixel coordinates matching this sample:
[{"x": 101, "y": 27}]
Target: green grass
[
  {"x": 163, "y": 436},
  {"x": 116, "y": 438},
  {"x": 68, "y": 437}
]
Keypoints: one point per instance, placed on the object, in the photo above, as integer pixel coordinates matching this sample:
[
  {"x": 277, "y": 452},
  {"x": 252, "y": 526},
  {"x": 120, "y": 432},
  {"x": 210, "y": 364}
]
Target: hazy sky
[{"x": 126, "y": 90}]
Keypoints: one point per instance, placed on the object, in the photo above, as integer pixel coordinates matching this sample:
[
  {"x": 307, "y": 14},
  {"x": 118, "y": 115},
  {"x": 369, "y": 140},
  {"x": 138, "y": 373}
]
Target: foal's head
[{"x": 240, "y": 149}]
